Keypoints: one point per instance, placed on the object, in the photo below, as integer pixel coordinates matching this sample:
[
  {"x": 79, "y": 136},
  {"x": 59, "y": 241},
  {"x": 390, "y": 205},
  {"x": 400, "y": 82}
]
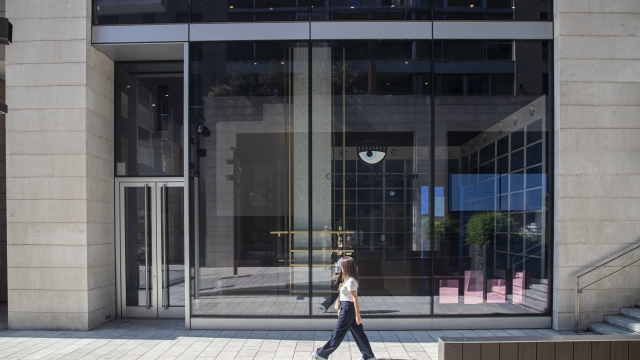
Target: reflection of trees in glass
[
  {"x": 343, "y": 73},
  {"x": 440, "y": 228},
  {"x": 481, "y": 229},
  {"x": 240, "y": 81}
]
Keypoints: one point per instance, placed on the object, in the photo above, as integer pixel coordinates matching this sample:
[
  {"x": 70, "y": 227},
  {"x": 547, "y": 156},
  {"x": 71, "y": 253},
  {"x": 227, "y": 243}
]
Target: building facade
[{"x": 213, "y": 161}]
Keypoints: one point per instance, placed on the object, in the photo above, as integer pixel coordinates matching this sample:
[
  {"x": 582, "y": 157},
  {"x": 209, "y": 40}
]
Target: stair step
[
  {"x": 623, "y": 322},
  {"x": 534, "y": 294},
  {"x": 535, "y": 304},
  {"x": 633, "y": 313},
  {"x": 606, "y": 329},
  {"x": 540, "y": 287}
]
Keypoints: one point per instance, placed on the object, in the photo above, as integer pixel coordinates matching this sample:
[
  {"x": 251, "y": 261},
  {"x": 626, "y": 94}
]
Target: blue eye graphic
[
  {"x": 372, "y": 151},
  {"x": 372, "y": 157}
]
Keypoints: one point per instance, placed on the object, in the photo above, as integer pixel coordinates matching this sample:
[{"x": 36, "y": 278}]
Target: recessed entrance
[{"x": 150, "y": 231}]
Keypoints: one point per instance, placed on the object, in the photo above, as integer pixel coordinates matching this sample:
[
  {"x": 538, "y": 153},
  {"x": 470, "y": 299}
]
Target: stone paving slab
[{"x": 167, "y": 339}]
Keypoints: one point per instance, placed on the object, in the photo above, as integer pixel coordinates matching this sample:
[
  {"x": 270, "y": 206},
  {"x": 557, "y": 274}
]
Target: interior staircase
[
  {"x": 627, "y": 323},
  {"x": 537, "y": 297}
]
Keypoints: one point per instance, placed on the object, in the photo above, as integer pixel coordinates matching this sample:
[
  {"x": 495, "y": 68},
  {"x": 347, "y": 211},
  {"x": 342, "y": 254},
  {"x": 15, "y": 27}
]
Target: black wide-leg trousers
[{"x": 347, "y": 322}]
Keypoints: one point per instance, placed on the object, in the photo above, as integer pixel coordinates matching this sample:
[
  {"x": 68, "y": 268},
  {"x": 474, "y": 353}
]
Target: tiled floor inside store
[{"x": 167, "y": 339}]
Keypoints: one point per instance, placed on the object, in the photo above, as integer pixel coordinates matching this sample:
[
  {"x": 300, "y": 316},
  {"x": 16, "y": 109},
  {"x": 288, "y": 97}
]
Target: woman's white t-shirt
[{"x": 347, "y": 287}]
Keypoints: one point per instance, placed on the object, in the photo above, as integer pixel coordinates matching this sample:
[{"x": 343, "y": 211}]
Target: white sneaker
[{"x": 315, "y": 356}]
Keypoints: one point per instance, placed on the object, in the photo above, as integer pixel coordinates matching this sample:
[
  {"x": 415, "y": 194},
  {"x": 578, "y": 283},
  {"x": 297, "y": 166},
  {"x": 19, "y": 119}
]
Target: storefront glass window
[
  {"x": 426, "y": 161},
  {"x": 491, "y": 239},
  {"x": 250, "y": 131}
]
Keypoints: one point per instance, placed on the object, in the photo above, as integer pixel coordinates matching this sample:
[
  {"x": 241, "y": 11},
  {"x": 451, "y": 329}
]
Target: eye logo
[{"x": 372, "y": 151}]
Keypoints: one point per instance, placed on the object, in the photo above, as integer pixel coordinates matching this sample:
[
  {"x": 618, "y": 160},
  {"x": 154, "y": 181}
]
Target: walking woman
[{"x": 348, "y": 316}]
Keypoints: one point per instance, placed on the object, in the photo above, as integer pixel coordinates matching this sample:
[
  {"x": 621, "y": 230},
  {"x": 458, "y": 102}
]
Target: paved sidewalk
[{"x": 167, "y": 339}]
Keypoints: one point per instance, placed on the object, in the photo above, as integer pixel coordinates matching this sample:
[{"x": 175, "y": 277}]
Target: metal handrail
[{"x": 579, "y": 289}]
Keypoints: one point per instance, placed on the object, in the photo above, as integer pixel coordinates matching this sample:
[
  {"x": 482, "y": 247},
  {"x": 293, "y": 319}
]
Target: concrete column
[
  {"x": 597, "y": 154},
  {"x": 60, "y": 222}
]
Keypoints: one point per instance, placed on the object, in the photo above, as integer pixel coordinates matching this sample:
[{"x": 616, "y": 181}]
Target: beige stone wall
[
  {"x": 61, "y": 265},
  {"x": 597, "y": 182}
]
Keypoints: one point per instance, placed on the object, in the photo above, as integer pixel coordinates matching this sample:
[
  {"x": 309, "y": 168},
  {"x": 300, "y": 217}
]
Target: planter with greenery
[{"x": 481, "y": 229}]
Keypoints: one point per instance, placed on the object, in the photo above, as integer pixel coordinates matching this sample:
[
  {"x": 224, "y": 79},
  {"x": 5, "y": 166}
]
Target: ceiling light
[
  {"x": 167, "y": 95},
  {"x": 271, "y": 8},
  {"x": 393, "y": 6},
  {"x": 353, "y": 7},
  {"x": 281, "y": 62},
  {"x": 153, "y": 104},
  {"x": 471, "y": 5},
  {"x": 406, "y": 62},
  {"x": 255, "y": 63},
  {"x": 388, "y": 84},
  {"x": 513, "y": 7},
  {"x": 128, "y": 87},
  {"x": 426, "y": 83},
  {"x": 230, "y": 6}
]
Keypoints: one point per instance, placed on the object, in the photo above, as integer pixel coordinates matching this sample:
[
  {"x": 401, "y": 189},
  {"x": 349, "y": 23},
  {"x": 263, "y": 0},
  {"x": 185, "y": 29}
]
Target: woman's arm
[{"x": 356, "y": 304}]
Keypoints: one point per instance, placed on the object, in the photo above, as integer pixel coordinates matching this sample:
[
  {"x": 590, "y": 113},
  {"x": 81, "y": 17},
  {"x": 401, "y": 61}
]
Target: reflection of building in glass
[
  {"x": 503, "y": 174},
  {"x": 149, "y": 120}
]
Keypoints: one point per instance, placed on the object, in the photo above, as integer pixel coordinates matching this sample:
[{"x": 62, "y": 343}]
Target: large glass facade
[
  {"x": 195, "y": 11},
  {"x": 427, "y": 161}
]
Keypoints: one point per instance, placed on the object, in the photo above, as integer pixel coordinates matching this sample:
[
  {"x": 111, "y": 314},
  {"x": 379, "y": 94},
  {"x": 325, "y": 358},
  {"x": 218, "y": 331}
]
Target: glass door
[{"x": 151, "y": 248}]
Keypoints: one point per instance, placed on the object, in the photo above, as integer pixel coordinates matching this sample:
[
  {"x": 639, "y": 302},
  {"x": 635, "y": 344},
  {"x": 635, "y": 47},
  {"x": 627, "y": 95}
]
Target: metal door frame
[{"x": 155, "y": 184}]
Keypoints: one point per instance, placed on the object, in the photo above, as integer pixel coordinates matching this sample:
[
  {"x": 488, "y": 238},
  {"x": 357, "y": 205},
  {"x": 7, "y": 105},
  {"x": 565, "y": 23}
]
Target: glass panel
[
  {"x": 371, "y": 107},
  {"x": 149, "y": 119},
  {"x": 534, "y": 154},
  {"x": 137, "y": 248},
  {"x": 371, "y": 10},
  {"x": 249, "y": 10},
  {"x": 497, "y": 259},
  {"x": 177, "y": 11},
  {"x": 298, "y": 10},
  {"x": 173, "y": 246},
  {"x": 517, "y": 139},
  {"x": 492, "y": 9},
  {"x": 140, "y": 11},
  {"x": 249, "y": 124}
]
